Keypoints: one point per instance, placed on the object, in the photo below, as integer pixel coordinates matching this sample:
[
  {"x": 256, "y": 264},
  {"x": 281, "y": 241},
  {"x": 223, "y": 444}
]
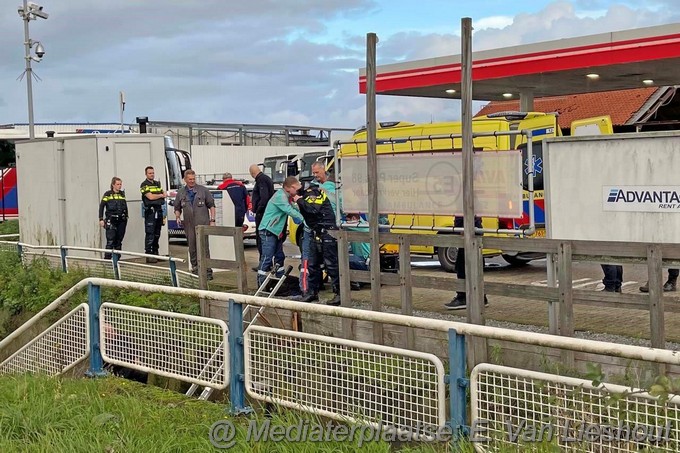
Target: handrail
[
  {"x": 92, "y": 249},
  {"x": 50, "y": 308},
  {"x": 537, "y": 339}
]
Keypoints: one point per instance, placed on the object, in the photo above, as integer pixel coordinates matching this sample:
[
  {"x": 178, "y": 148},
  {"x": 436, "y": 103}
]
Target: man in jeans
[
  {"x": 273, "y": 226},
  {"x": 460, "y": 301},
  {"x": 262, "y": 193},
  {"x": 613, "y": 278}
]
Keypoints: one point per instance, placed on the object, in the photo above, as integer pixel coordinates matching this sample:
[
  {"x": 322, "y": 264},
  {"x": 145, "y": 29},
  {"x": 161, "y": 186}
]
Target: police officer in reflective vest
[
  {"x": 115, "y": 220},
  {"x": 319, "y": 215},
  {"x": 153, "y": 202}
]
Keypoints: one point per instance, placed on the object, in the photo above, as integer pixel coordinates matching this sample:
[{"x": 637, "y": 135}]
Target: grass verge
[{"x": 41, "y": 414}]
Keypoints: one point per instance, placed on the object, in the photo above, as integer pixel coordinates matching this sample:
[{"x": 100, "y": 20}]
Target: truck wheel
[
  {"x": 516, "y": 261},
  {"x": 447, "y": 258}
]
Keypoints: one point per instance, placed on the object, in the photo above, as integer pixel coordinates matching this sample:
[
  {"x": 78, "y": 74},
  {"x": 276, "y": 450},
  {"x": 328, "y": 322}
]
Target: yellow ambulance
[{"x": 392, "y": 138}]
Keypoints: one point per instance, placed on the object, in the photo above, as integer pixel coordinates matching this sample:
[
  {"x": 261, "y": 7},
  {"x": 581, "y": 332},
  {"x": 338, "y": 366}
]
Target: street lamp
[{"x": 30, "y": 11}]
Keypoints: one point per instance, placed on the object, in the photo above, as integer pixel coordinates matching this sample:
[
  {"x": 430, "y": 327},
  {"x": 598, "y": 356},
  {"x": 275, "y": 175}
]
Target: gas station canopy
[{"x": 603, "y": 62}]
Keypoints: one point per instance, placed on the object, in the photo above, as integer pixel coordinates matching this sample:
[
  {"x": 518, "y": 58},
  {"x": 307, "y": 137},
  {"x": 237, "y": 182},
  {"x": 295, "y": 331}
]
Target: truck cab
[{"x": 278, "y": 168}]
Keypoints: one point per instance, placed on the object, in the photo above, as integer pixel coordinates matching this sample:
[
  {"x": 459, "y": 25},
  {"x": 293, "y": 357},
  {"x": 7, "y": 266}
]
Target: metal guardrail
[
  {"x": 189, "y": 348},
  {"x": 144, "y": 273},
  {"x": 96, "y": 267},
  {"x": 513, "y": 409},
  {"x": 345, "y": 380},
  {"x": 187, "y": 279},
  {"x": 7, "y": 246},
  {"x": 57, "y": 349},
  {"x": 115, "y": 268},
  {"x": 368, "y": 383}
]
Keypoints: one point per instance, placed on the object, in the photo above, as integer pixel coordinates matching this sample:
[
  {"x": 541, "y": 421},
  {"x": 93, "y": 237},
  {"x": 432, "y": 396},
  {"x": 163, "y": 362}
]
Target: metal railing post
[
  {"x": 94, "y": 300},
  {"x": 237, "y": 360},
  {"x": 62, "y": 252},
  {"x": 114, "y": 260},
  {"x": 458, "y": 383},
  {"x": 173, "y": 273}
]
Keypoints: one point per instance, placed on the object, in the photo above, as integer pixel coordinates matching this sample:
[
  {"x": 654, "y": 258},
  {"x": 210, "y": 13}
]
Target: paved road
[{"x": 586, "y": 275}]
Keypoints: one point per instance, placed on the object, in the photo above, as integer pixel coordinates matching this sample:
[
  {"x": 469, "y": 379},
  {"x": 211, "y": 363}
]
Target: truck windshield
[
  {"x": 175, "y": 168},
  {"x": 273, "y": 167},
  {"x": 307, "y": 161}
]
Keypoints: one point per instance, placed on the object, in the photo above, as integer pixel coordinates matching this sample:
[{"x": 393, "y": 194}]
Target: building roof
[{"x": 623, "y": 106}]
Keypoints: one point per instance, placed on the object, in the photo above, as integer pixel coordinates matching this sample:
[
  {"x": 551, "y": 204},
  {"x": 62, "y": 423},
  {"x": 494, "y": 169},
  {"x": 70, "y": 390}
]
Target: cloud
[
  {"x": 492, "y": 22},
  {"x": 562, "y": 20},
  {"x": 262, "y": 61}
]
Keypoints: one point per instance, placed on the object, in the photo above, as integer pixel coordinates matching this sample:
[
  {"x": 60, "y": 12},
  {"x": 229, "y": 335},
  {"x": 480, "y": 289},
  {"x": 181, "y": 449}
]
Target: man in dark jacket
[
  {"x": 262, "y": 193},
  {"x": 239, "y": 196},
  {"x": 153, "y": 200},
  {"x": 460, "y": 301},
  {"x": 319, "y": 215}
]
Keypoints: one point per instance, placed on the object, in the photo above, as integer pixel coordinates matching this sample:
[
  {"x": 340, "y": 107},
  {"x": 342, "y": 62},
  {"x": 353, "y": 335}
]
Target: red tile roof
[{"x": 620, "y": 105}]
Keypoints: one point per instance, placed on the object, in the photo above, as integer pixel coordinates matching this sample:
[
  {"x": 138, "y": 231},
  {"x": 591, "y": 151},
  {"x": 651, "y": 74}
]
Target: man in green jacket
[{"x": 272, "y": 228}]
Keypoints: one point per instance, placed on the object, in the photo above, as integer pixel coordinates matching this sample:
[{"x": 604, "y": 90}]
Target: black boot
[
  {"x": 335, "y": 301},
  {"x": 670, "y": 285}
]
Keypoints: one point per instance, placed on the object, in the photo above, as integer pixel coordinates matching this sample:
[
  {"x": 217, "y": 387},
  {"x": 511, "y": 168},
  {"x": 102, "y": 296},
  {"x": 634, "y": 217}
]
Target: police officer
[
  {"x": 317, "y": 210},
  {"x": 115, "y": 220},
  {"x": 308, "y": 246},
  {"x": 153, "y": 202}
]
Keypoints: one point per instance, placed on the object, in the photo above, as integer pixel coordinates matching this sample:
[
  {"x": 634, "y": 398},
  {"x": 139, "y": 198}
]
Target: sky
[{"x": 290, "y": 62}]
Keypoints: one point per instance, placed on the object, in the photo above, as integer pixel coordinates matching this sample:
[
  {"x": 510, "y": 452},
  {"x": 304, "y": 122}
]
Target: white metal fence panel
[
  {"x": 345, "y": 380},
  {"x": 8, "y": 246},
  {"x": 144, "y": 273},
  {"x": 187, "y": 279},
  {"x": 520, "y": 410},
  {"x": 56, "y": 350},
  {"x": 32, "y": 252},
  {"x": 95, "y": 267},
  {"x": 189, "y": 348}
]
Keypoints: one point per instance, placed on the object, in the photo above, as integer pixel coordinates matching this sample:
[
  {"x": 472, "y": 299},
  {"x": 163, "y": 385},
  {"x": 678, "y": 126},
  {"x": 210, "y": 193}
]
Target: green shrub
[{"x": 9, "y": 227}]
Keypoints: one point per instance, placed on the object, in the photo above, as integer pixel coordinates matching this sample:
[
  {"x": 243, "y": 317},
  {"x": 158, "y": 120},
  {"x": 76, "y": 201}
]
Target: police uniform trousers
[
  {"x": 115, "y": 232},
  {"x": 328, "y": 247},
  {"x": 153, "y": 222}
]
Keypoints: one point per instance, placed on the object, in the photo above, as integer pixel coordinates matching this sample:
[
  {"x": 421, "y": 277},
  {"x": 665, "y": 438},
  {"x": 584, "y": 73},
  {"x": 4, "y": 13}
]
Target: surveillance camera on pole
[
  {"x": 39, "y": 50},
  {"x": 37, "y": 10},
  {"x": 31, "y": 11}
]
